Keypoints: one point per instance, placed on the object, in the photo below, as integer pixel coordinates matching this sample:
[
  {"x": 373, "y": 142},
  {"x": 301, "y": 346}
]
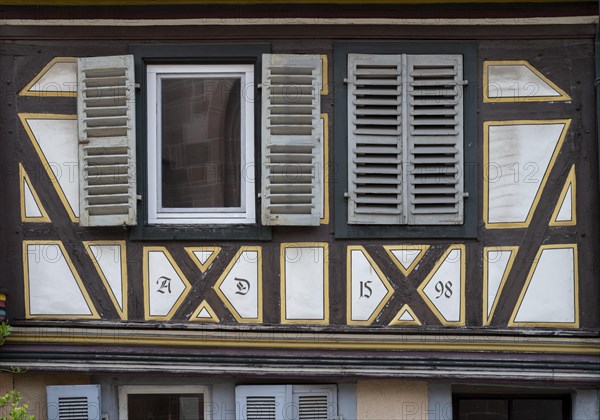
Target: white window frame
[
  {"x": 126, "y": 390},
  {"x": 245, "y": 214}
]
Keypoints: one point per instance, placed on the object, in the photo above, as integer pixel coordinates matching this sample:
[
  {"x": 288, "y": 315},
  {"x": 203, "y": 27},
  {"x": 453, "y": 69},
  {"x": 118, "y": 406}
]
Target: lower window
[
  {"x": 512, "y": 407},
  {"x": 144, "y": 402}
]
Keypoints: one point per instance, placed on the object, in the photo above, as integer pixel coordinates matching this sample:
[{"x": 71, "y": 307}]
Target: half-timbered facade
[{"x": 324, "y": 210}]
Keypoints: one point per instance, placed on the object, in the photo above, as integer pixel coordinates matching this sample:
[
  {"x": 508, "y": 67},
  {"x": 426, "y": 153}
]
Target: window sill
[{"x": 254, "y": 232}]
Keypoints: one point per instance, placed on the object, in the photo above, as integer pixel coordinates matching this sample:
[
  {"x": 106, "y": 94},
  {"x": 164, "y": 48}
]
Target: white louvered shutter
[
  {"x": 435, "y": 139},
  {"x": 106, "y": 119},
  {"x": 74, "y": 402},
  {"x": 262, "y": 402},
  {"x": 315, "y": 402},
  {"x": 291, "y": 139},
  {"x": 375, "y": 139}
]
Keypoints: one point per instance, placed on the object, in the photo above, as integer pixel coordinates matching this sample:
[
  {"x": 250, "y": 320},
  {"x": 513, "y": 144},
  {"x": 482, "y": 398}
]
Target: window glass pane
[
  {"x": 200, "y": 142},
  {"x": 165, "y": 406},
  {"x": 537, "y": 410},
  {"x": 483, "y": 410}
]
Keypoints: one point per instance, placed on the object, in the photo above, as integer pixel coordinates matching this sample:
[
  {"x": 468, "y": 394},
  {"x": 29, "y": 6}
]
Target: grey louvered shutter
[
  {"x": 375, "y": 139},
  {"x": 262, "y": 402},
  {"x": 106, "y": 119},
  {"x": 435, "y": 139},
  {"x": 74, "y": 402},
  {"x": 315, "y": 402},
  {"x": 291, "y": 139}
]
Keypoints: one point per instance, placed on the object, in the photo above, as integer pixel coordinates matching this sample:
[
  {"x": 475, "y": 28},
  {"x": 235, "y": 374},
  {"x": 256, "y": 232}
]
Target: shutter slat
[
  {"x": 292, "y": 160},
  {"x": 435, "y": 139},
  {"x": 106, "y": 115}
]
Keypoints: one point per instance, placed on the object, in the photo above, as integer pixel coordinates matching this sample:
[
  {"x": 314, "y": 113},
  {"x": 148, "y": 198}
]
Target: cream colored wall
[
  {"x": 391, "y": 400},
  {"x": 32, "y": 387}
]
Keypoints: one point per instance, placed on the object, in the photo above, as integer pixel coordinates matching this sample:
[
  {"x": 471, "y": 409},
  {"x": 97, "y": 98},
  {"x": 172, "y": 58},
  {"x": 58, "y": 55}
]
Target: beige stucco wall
[
  {"x": 391, "y": 400},
  {"x": 32, "y": 387}
]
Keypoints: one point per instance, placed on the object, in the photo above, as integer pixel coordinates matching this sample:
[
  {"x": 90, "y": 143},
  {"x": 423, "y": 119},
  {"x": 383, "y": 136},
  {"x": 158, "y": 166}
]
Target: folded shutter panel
[
  {"x": 261, "y": 402},
  {"x": 315, "y": 402},
  {"x": 291, "y": 139},
  {"x": 375, "y": 139},
  {"x": 106, "y": 118},
  {"x": 74, "y": 402},
  {"x": 435, "y": 139}
]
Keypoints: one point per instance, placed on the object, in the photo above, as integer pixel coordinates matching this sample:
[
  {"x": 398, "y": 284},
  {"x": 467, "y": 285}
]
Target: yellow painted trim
[
  {"x": 26, "y": 91},
  {"x": 406, "y": 271},
  {"x": 24, "y": 117},
  {"x": 511, "y": 260},
  {"x": 434, "y": 309},
  {"x": 398, "y": 321},
  {"x": 486, "y": 64},
  {"x": 486, "y": 159},
  {"x": 317, "y": 341},
  {"x": 382, "y": 277},
  {"x": 228, "y": 304},
  {"x": 325, "y": 78},
  {"x": 575, "y": 324},
  {"x": 570, "y": 182},
  {"x": 24, "y": 179},
  {"x": 325, "y": 169},
  {"x": 146, "y": 284},
  {"x": 247, "y": 2},
  {"x": 209, "y": 309},
  {"x": 124, "y": 279},
  {"x": 203, "y": 267},
  {"x": 93, "y": 313},
  {"x": 325, "y": 246}
]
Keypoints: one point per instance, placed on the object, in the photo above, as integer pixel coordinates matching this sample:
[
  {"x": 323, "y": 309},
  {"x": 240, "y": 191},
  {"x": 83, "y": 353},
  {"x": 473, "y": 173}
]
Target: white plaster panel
[
  {"x": 565, "y": 213},
  {"x": 61, "y": 77},
  {"x": 406, "y": 256},
  {"x": 243, "y": 295},
  {"x": 550, "y": 296},
  {"x": 304, "y": 283},
  {"x": 164, "y": 284},
  {"x": 204, "y": 314},
  {"x": 406, "y": 316},
  {"x": 203, "y": 256},
  {"x": 53, "y": 289},
  {"x": 497, "y": 261},
  {"x": 363, "y": 272},
  {"x": 58, "y": 141},
  {"x": 448, "y": 276},
  {"x": 518, "y": 158},
  {"x": 31, "y": 207},
  {"x": 517, "y": 81},
  {"x": 108, "y": 258}
]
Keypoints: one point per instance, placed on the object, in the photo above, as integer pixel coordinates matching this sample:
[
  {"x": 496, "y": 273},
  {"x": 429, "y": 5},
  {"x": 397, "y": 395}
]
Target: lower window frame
[{"x": 125, "y": 390}]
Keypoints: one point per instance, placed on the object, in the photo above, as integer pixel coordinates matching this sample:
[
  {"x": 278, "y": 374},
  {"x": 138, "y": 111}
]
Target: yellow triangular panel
[
  {"x": 57, "y": 78},
  {"x": 406, "y": 257},
  {"x": 204, "y": 313},
  {"x": 203, "y": 256},
  {"x": 32, "y": 209},
  {"x": 405, "y": 316},
  {"x": 565, "y": 213}
]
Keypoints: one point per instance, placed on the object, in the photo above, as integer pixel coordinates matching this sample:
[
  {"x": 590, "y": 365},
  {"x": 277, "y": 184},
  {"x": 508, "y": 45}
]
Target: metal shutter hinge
[
  {"x": 137, "y": 86},
  {"x": 138, "y": 197},
  {"x": 463, "y": 82},
  {"x": 466, "y": 195},
  {"x": 346, "y": 195}
]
